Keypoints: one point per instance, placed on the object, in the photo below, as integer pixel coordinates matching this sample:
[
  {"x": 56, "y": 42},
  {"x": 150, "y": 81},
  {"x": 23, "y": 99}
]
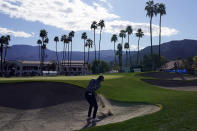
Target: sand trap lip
[
  {"x": 173, "y": 84},
  {"x": 64, "y": 115}
]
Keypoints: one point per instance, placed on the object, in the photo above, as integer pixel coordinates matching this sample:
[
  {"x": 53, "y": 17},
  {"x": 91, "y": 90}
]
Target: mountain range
[{"x": 171, "y": 50}]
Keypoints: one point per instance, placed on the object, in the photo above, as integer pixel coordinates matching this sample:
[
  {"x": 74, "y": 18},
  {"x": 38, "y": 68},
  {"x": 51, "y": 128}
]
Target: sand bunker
[
  {"x": 174, "y": 81},
  {"x": 51, "y": 106}
]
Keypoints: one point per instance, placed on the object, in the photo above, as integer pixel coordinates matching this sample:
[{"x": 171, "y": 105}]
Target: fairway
[{"x": 178, "y": 107}]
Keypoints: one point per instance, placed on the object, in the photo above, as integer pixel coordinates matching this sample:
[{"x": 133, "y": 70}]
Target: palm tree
[
  {"x": 84, "y": 37},
  {"x": 56, "y": 39},
  {"x": 129, "y": 31},
  {"x": 94, "y": 27},
  {"x": 2, "y": 42},
  {"x": 122, "y": 34},
  {"x": 139, "y": 34},
  {"x": 7, "y": 40},
  {"x": 102, "y": 25},
  {"x": 126, "y": 46},
  {"x": 71, "y": 35},
  {"x": 151, "y": 11},
  {"x": 63, "y": 39},
  {"x": 114, "y": 39},
  {"x": 45, "y": 40},
  {"x": 89, "y": 44},
  {"x": 161, "y": 10},
  {"x": 119, "y": 53},
  {"x": 39, "y": 42}
]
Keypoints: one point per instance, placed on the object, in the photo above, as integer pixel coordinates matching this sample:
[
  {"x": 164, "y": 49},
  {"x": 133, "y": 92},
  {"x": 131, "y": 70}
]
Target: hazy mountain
[{"x": 171, "y": 50}]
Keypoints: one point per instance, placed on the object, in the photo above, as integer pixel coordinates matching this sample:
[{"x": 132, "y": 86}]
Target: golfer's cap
[{"x": 101, "y": 78}]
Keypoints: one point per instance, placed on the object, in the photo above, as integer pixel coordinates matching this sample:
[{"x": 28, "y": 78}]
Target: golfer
[{"x": 90, "y": 96}]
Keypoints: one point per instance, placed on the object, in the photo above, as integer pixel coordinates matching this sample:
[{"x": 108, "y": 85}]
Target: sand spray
[{"x": 105, "y": 108}]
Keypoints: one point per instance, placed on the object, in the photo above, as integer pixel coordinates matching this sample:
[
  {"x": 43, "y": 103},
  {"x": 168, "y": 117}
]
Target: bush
[{"x": 99, "y": 67}]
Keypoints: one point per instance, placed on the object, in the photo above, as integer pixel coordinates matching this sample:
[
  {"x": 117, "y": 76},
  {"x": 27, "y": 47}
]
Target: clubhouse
[{"x": 32, "y": 68}]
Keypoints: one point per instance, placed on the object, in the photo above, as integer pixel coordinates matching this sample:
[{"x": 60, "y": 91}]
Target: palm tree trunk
[
  {"x": 114, "y": 53},
  {"x": 84, "y": 57},
  {"x": 1, "y": 59},
  {"x": 94, "y": 47},
  {"x": 160, "y": 41},
  {"x": 71, "y": 53},
  {"x": 57, "y": 58},
  {"x": 63, "y": 55},
  {"x": 100, "y": 44},
  {"x": 138, "y": 51},
  {"x": 5, "y": 57},
  {"x": 88, "y": 54},
  {"x": 39, "y": 51},
  {"x": 68, "y": 59},
  {"x": 151, "y": 43},
  {"x": 126, "y": 58},
  {"x": 129, "y": 51}
]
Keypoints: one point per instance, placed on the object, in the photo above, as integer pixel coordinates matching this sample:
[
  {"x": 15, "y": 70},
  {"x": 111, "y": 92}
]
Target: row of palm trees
[
  {"x": 152, "y": 10},
  {"x": 122, "y": 35},
  {"x": 4, "y": 43}
]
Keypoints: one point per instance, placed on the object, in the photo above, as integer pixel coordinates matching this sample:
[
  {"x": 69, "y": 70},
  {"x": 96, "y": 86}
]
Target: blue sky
[{"x": 23, "y": 19}]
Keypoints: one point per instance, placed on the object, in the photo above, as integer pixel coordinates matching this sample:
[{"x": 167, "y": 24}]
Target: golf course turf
[{"x": 179, "y": 108}]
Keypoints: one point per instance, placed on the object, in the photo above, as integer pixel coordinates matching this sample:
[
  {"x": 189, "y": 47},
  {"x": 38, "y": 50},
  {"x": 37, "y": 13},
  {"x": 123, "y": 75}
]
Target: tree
[
  {"x": 56, "y": 39},
  {"x": 119, "y": 53},
  {"x": 2, "y": 42},
  {"x": 71, "y": 35},
  {"x": 94, "y": 27},
  {"x": 150, "y": 12},
  {"x": 129, "y": 31},
  {"x": 89, "y": 44},
  {"x": 63, "y": 39},
  {"x": 84, "y": 37},
  {"x": 45, "y": 40},
  {"x": 103, "y": 67},
  {"x": 126, "y": 46},
  {"x": 161, "y": 10},
  {"x": 101, "y": 24},
  {"x": 6, "y": 45},
  {"x": 147, "y": 61},
  {"x": 139, "y": 34},
  {"x": 114, "y": 39},
  {"x": 122, "y": 35},
  {"x": 39, "y": 42}
]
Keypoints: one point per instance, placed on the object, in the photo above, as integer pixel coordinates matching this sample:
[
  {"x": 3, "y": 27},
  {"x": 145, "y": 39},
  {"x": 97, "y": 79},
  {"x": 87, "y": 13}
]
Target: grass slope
[{"x": 179, "y": 112}]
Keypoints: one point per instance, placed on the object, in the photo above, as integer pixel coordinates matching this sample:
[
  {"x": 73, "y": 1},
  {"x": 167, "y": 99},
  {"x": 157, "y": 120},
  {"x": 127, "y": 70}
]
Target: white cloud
[
  {"x": 5, "y": 31},
  {"x": 135, "y": 48},
  {"x": 108, "y": 3},
  {"x": 117, "y": 25},
  {"x": 72, "y": 15}
]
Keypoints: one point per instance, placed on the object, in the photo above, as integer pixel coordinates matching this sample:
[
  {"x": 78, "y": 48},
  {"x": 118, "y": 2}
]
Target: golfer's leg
[
  {"x": 95, "y": 108},
  {"x": 90, "y": 110}
]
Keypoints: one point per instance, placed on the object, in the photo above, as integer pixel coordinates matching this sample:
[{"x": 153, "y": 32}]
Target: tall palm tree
[
  {"x": 39, "y": 42},
  {"x": 114, "y": 39},
  {"x": 101, "y": 24},
  {"x": 7, "y": 40},
  {"x": 126, "y": 46},
  {"x": 94, "y": 27},
  {"x": 119, "y": 53},
  {"x": 2, "y": 42},
  {"x": 45, "y": 40},
  {"x": 129, "y": 31},
  {"x": 150, "y": 12},
  {"x": 71, "y": 35},
  {"x": 56, "y": 39},
  {"x": 161, "y": 10},
  {"x": 122, "y": 35},
  {"x": 89, "y": 44},
  {"x": 63, "y": 39},
  {"x": 84, "y": 37},
  {"x": 139, "y": 34}
]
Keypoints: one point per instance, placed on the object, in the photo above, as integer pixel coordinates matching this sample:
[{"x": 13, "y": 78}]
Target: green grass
[{"x": 179, "y": 112}]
